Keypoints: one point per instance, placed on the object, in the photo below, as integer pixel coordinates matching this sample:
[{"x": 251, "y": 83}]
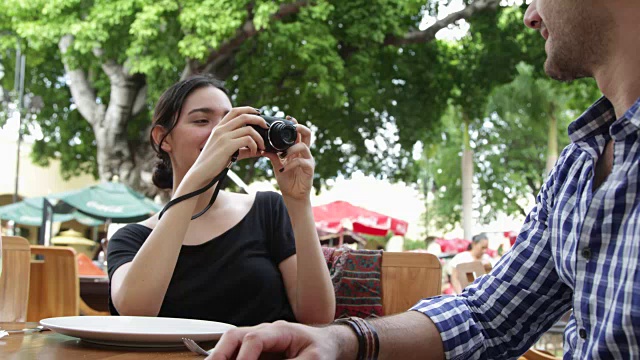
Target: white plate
[{"x": 137, "y": 331}]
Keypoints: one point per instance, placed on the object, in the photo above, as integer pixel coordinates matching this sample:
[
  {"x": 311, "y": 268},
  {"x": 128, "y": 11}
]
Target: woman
[
  {"x": 248, "y": 259},
  {"x": 477, "y": 251}
]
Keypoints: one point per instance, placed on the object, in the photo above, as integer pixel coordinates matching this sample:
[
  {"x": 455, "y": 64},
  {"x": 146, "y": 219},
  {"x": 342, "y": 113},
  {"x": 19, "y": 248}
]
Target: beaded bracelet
[{"x": 368, "y": 341}]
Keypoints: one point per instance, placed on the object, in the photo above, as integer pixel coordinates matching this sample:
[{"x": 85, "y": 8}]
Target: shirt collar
[
  {"x": 600, "y": 119},
  {"x": 628, "y": 123},
  {"x": 595, "y": 121}
]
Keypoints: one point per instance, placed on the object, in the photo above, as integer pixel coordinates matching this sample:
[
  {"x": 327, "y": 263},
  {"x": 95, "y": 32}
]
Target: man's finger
[
  {"x": 251, "y": 343},
  {"x": 226, "y": 347}
]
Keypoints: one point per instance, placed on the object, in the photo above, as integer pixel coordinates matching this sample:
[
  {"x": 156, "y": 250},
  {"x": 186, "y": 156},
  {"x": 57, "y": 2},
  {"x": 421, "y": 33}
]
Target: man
[{"x": 578, "y": 249}]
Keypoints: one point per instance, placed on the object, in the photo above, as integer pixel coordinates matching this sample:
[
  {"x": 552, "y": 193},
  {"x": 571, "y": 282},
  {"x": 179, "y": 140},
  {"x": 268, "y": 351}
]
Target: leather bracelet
[
  {"x": 376, "y": 340},
  {"x": 359, "y": 335},
  {"x": 368, "y": 341}
]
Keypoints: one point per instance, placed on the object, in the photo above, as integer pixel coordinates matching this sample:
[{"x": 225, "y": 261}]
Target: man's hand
[{"x": 287, "y": 340}]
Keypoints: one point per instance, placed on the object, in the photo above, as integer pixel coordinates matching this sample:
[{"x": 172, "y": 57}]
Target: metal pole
[
  {"x": 20, "y": 64},
  {"x": 16, "y": 83}
]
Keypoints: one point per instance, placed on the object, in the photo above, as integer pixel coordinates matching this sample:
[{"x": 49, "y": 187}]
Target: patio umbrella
[
  {"x": 110, "y": 200},
  {"x": 334, "y": 216},
  {"x": 29, "y": 212}
]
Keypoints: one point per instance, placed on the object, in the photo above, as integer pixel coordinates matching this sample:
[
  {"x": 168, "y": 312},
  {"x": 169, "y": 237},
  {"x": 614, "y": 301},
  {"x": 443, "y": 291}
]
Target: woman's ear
[{"x": 158, "y": 133}]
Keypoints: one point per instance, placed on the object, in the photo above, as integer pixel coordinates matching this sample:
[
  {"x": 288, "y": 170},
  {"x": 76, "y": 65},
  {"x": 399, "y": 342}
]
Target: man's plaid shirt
[{"x": 578, "y": 249}]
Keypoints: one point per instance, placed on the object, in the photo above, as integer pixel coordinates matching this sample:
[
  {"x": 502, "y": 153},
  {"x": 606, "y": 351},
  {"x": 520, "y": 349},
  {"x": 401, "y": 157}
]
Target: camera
[{"x": 280, "y": 135}]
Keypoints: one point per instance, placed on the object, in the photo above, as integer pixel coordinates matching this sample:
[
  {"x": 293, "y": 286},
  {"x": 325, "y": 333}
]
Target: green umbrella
[
  {"x": 110, "y": 200},
  {"x": 29, "y": 212},
  {"x": 86, "y": 219}
]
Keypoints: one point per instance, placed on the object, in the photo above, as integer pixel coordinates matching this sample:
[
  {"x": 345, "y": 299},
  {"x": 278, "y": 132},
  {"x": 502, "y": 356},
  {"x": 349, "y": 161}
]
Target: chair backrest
[
  {"x": 14, "y": 280},
  {"x": 407, "y": 278},
  {"x": 54, "y": 286},
  {"x": 468, "y": 272}
]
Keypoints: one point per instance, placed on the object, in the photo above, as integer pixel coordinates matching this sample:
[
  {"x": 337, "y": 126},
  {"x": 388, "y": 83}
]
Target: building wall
[{"x": 33, "y": 180}]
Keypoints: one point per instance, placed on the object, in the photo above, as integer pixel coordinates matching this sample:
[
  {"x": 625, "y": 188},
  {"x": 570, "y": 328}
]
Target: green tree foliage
[
  {"x": 357, "y": 70},
  {"x": 513, "y": 144},
  {"x": 510, "y": 145}
]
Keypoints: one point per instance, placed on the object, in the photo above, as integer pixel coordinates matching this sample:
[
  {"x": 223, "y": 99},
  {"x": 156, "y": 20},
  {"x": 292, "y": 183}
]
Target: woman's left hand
[{"x": 294, "y": 171}]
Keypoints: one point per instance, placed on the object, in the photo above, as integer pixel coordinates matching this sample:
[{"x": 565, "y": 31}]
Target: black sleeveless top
[{"x": 233, "y": 278}]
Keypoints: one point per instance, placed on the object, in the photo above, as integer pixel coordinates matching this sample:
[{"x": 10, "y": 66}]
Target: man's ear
[{"x": 158, "y": 133}]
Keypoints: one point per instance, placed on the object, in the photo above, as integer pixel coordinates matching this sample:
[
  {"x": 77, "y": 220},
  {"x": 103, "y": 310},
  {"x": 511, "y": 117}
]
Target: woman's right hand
[{"x": 228, "y": 136}]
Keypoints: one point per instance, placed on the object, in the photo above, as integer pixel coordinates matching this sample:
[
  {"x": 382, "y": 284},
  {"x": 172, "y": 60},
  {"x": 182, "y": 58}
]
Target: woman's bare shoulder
[{"x": 150, "y": 222}]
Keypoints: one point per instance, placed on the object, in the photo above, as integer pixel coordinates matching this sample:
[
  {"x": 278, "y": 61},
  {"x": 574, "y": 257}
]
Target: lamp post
[
  {"x": 21, "y": 61},
  {"x": 18, "y": 86}
]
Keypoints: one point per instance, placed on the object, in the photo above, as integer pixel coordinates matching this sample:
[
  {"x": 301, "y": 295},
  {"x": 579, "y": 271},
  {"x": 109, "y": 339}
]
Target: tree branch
[
  {"x": 429, "y": 34},
  {"x": 246, "y": 31},
  {"x": 188, "y": 70},
  {"x": 83, "y": 93},
  {"x": 128, "y": 93}
]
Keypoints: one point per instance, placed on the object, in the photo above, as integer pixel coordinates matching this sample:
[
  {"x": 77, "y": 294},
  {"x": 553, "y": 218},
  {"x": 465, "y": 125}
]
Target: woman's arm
[
  {"x": 305, "y": 274},
  {"x": 138, "y": 288}
]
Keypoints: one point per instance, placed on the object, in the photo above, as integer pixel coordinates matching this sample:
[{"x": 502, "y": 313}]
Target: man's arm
[{"x": 410, "y": 335}]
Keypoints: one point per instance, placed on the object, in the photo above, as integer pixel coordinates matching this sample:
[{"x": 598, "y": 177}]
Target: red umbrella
[{"x": 333, "y": 216}]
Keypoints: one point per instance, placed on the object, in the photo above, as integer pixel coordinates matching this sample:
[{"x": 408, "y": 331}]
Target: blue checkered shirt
[{"x": 577, "y": 249}]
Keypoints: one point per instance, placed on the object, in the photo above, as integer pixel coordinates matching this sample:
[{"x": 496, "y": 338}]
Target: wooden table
[{"x": 52, "y": 346}]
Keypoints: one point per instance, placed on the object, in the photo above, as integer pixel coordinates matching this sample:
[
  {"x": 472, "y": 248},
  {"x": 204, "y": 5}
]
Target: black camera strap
[{"x": 218, "y": 179}]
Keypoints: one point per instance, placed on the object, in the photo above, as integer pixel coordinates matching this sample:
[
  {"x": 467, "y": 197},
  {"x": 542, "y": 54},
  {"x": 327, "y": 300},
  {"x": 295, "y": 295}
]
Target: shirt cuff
[{"x": 461, "y": 335}]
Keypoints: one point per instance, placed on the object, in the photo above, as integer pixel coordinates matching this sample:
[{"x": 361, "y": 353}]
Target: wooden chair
[
  {"x": 54, "y": 289},
  {"x": 468, "y": 272},
  {"x": 407, "y": 278},
  {"x": 14, "y": 280}
]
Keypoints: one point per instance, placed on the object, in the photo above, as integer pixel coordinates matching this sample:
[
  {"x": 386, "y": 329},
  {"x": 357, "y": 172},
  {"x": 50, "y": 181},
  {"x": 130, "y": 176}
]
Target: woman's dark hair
[
  {"x": 476, "y": 239},
  {"x": 166, "y": 114}
]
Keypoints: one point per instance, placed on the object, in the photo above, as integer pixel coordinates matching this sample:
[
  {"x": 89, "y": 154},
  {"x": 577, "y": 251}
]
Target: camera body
[{"x": 280, "y": 135}]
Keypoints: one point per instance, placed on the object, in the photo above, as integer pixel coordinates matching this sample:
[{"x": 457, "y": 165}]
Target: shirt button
[
  {"x": 586, "y": 253},
  {"x": 582, "y": 333}
]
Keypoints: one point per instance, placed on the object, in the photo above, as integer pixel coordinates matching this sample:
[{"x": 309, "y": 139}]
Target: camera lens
[
  {"x": 282, "y": 135},
  {"x": 288, "y": 135}
]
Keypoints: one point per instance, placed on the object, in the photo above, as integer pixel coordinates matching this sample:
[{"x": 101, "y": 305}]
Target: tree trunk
[
  {"x": 115, "y": 154},
  {"x": 467, "y": 183},
  {"x": 552, "y": 146}
]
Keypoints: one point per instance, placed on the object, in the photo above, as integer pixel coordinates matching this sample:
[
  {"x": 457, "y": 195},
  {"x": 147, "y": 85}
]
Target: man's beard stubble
[
  {"x": 569, "y": 61},
  {"x": 577, "y": 48}
]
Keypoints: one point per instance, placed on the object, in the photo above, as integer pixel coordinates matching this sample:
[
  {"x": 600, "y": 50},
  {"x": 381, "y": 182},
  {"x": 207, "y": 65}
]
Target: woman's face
[
  {"x": 480, "y": 248},
  {"x": 201, "y": 112}
]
